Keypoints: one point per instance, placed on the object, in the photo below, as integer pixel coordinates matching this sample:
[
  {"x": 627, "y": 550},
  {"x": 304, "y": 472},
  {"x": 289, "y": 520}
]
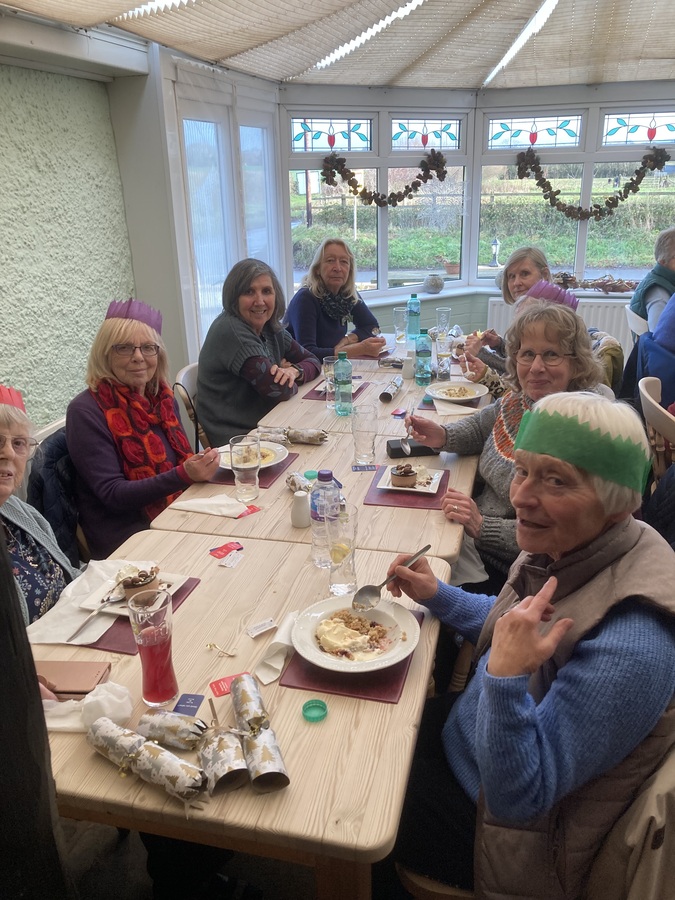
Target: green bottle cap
[
  {"x": 424, "y": 331},
  {"x": 311, "y": 474},
  {"x": 314, "y": 711},
  {"x": 342, "y": 354}
]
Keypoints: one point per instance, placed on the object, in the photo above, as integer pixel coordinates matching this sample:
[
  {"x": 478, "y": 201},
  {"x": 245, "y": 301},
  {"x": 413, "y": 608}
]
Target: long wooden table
[{"x": 348, "y": 774}]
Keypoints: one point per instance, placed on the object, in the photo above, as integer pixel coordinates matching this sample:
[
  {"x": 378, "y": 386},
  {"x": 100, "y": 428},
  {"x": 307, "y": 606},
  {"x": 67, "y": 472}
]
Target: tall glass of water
[
  {"x": 341, "y": 529},
  {"x": 329, "y": 380},
  {"x": 245, "y": 461},
  {"x": 400, "y": 324}
]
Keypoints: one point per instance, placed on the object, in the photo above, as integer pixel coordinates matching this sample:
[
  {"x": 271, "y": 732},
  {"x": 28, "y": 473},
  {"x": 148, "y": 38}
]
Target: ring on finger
[{"x": 455, "y": 507}]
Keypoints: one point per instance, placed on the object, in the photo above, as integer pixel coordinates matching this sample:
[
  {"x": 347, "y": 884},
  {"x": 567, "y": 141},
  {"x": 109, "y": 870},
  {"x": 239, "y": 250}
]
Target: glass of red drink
[{"x": 150, "y": 614}]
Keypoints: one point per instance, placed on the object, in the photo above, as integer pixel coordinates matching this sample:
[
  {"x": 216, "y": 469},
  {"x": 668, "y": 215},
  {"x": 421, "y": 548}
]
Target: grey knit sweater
[{"x": 492, "y": 431}]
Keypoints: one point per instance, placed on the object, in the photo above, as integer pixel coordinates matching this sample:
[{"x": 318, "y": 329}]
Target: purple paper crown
[
  {"x": 551, "y": 293},
  {"x": 135, "y": 309}
]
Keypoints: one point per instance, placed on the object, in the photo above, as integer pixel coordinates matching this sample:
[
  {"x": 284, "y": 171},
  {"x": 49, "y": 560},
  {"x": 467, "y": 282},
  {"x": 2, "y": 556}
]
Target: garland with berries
[
  {"x": 528, "y": 163},
  {"x": 432, "y": 164}
]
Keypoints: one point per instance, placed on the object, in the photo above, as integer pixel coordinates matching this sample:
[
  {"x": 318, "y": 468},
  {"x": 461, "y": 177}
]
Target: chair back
[
  {"x": 636, "y": 323},
  {"x": 185, "y": 387},
  {"x": 660, "y": 425}
]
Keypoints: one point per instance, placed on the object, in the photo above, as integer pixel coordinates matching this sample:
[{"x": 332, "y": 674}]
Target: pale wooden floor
[{"x": 107, "y": 867}]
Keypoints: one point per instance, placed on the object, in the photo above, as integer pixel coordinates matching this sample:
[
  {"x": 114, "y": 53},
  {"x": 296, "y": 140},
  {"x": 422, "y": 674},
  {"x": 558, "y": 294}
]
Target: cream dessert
[{"x": 350, "y": 636}]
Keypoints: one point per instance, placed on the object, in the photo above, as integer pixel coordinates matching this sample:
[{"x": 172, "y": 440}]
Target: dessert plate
[
  {"x": 271, "y": 454},
  {"x": 466, "y": 390},
  {"x": 404, "y": 633},
  {"x": 384, "y": 484},
  {"x": 167, "y": 582}
]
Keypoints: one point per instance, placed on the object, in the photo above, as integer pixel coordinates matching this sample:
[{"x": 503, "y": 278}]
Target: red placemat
[
  {"x": 382, "y": 685},
  {"x": 405, "y": 499},
  {"x": 266, "y": 477},
  {"x": 119, "y": 638},
  {"x": 320, "y": 395}
]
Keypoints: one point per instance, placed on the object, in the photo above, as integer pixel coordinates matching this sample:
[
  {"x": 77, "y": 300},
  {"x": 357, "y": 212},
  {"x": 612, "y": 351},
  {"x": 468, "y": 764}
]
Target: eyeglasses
[
  {"x": 548, "y": 357},
  {"x": 129, "y": 349},
  {"x": 24, "y": 447}
]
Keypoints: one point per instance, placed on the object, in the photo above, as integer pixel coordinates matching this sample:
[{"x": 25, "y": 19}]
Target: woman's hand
[
  {"x": 518, "y": 646},
  {"x": 417, "y": 581},
  {"x": 284, "y": 376},
  {"x": 202, "y": 466},
  {"x": 472, "y": 343},
  {"x": 472, "y": 367},
  {"x": 425, "y": 431},
  {"x": 45, "y": 689},
  {"x": 370, "y": 347},
  {"x": 491, "y": 338},
  {"x": 457, "y": 507}
]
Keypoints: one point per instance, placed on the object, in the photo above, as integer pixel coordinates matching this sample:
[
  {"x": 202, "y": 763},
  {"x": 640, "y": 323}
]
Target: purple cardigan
[{"x": 111, "y": 507}]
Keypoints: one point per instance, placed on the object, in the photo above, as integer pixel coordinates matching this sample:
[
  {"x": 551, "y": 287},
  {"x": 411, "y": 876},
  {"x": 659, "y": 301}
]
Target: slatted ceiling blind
[{"x": 81, "y": 13}]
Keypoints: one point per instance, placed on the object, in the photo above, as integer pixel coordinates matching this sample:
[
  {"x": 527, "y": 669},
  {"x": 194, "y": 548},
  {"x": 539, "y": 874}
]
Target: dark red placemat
[
  {"x": 320, "y": 395},
  {"x": 382, "y": 685},
  {"x": 405, "y": 499},
  {"x": 266, "y": 477},
  {"x": 119, "y": 638}
]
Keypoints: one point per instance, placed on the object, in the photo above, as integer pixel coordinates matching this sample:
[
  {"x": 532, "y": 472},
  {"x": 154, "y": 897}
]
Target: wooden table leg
[{"x": 340, "y": 878}]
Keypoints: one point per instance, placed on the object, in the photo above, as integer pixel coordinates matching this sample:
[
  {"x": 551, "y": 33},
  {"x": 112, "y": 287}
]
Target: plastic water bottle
[
  {"x": 323, "y": 501},
  {"x": 423, "y": 359},
  {"x": 413, "y": 307},
  {"x": 343, "y": 385}
]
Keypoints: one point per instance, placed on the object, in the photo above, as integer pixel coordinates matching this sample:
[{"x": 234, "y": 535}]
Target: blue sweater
[
  {"x": 603, "y": 703},
  {"x": 317, "y": 332}
]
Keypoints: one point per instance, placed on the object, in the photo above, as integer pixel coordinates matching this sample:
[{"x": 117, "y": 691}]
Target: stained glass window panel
[
  {"x": 324, "y": 135},
  {"x": 541, "y": 131},
  {"x": 638, "y": 128},
  {"x": 425, "y": 134}
]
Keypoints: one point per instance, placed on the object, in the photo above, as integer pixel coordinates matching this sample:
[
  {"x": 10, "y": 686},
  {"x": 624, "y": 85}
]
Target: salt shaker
[
  {"x": 409, "y": 366},
  {"x": 300, "y": 510}
]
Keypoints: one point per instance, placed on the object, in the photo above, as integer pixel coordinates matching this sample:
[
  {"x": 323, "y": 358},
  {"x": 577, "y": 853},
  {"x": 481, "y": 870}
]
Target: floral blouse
[{"x": 40, "y": 577}]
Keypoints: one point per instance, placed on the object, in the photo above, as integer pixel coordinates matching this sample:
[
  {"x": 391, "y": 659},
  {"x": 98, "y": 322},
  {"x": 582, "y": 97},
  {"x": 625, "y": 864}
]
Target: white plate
[
  {"x": 394, "y": 616},
  {"x": 278, "y": 450},
  {"x": 167, "y": 582},
  {"x": 443, "y": 391},
  {"x": 385, "y": 484}
]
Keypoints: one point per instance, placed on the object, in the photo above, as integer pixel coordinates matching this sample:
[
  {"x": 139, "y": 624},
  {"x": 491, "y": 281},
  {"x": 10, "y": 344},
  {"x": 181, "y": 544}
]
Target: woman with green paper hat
[{"x": 570, "y": 706}]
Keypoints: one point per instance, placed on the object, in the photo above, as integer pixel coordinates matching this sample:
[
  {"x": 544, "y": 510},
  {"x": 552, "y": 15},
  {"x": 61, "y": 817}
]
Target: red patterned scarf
[{"x": 130, "y": 417}]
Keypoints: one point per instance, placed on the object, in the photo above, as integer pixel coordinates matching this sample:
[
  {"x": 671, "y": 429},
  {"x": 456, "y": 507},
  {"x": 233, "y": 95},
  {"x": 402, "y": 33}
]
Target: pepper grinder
[{"x": 300, "y": 510}]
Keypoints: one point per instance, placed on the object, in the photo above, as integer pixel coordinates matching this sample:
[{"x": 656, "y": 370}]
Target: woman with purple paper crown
[
  {"x": 125, "y": 438},
  {"x": 570, "y": 707}
]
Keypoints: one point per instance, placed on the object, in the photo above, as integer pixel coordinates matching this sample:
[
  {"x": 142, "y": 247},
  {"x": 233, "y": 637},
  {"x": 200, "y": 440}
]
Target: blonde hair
[
  {"x": 565, "y": 327},
  {"x": 535, "y": 256},
  {"x": 313, "y": 279},
  {"x": 611, "y": 417},
  {"x": 664, "y": 248},
  {"x": 121, "y": 331}
]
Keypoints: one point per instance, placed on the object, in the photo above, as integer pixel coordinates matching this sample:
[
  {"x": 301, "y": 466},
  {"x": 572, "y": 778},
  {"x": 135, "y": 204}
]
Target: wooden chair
[
  {"x": 660, "y": 426},
  {"x": 185, "y": 387},
  {"x": 636, "y": 323},
  {"x": 423, "y": 888}
]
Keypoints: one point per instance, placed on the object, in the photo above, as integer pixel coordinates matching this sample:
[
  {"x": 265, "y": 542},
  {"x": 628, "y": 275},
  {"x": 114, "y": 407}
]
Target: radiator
[{"x": 604, "y": 314}]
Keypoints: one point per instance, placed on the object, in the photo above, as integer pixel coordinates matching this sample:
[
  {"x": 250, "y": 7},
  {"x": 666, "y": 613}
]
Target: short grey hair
[
  {"x": 664, "y": 248},
  {"x": 12, "y": 415},
  {"x": 239, "y": 280}
]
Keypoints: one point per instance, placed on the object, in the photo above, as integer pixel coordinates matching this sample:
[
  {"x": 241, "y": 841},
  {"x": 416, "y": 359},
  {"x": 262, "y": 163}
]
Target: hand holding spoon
[{"x": 370, "y": 594}]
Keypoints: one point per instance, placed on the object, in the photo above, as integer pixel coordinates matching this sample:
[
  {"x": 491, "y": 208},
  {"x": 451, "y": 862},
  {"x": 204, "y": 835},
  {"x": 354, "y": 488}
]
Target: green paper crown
[{"x": 612, "y": 458}]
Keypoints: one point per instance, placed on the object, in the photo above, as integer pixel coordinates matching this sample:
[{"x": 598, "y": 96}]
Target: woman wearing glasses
[
  {"x": 547, "y": 351},
  {"x": 41, "y": 569},
  {"x": 124, "y": 434}
]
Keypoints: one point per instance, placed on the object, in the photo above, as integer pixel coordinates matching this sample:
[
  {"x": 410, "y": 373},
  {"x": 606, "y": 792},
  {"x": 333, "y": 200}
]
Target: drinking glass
[
  {"x": 443, "y": 321},
  {"x": 342, "y": 543},
  {"x": 329, "y": 380},
  {"x": 364, "y": 430},
  {"x": 400, "y": 324},
  {"x": 245, "y": 461},
  {"x": 150, "y": 614},
  {"x": 443, "y": 348}
]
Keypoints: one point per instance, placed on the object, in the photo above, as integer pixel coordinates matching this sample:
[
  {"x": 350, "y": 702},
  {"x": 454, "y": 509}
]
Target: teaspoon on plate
[{"x": 370, "y": 594}]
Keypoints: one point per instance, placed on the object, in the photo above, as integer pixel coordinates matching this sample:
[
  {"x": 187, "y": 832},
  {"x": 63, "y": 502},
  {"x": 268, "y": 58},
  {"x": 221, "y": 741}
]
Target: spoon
[
  {"x": 370, "y": 594},
  {"x": 104, "y": 605}
]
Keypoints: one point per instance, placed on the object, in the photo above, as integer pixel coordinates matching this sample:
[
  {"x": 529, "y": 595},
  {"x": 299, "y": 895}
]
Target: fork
[{"x": 405, "y": 441}]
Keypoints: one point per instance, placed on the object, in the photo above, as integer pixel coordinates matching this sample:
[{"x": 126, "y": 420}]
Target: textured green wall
[{"x": 64, "y": 248}]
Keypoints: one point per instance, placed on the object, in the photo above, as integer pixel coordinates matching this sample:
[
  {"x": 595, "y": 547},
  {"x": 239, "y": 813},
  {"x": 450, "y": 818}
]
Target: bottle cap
[
  {"x": 424, "y": 331},
  {"x": 311, "y": 474},
  {"x": 342, "y": 354},
  {"x": 326, "y": 475},
  {"x": 314, "y": 711}
]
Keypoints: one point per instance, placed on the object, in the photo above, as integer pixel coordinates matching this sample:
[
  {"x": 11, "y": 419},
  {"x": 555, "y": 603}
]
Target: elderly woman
[
  {"x": 571, "y": 706},
  {"x": 657, "y": 287},
  {"x": 318, "y": 315},
  {"x": 130, "y": 453},
  {"x": 548, "y": 351},
  {"x": 249, "y": 362},
  {"x": 41, "y": 569}
]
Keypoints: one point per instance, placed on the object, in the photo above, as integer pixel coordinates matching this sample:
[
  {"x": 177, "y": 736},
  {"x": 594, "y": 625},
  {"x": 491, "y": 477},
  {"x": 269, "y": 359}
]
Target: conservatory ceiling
[{"x": 420, "y": 43}]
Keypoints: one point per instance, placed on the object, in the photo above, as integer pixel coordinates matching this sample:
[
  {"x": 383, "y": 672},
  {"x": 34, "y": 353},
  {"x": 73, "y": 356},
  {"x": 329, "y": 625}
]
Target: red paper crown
[
  {"x": 11, "y": 397},
  {"x": 135, "y": 309}
]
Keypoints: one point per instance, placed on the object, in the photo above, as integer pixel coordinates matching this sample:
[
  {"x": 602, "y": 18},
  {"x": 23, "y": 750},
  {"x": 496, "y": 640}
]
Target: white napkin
[
  {"x": 219, "y": 505},
  {"x": 56, "y": 626},
  {"x": 107, "y": 699},
  {"x": 448, "y": 408},
  {"x": 270, "y": 666}
]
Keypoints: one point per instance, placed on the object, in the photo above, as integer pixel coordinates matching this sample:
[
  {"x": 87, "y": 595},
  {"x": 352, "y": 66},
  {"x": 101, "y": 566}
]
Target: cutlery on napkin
[{"x": 219, "y": 505}]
